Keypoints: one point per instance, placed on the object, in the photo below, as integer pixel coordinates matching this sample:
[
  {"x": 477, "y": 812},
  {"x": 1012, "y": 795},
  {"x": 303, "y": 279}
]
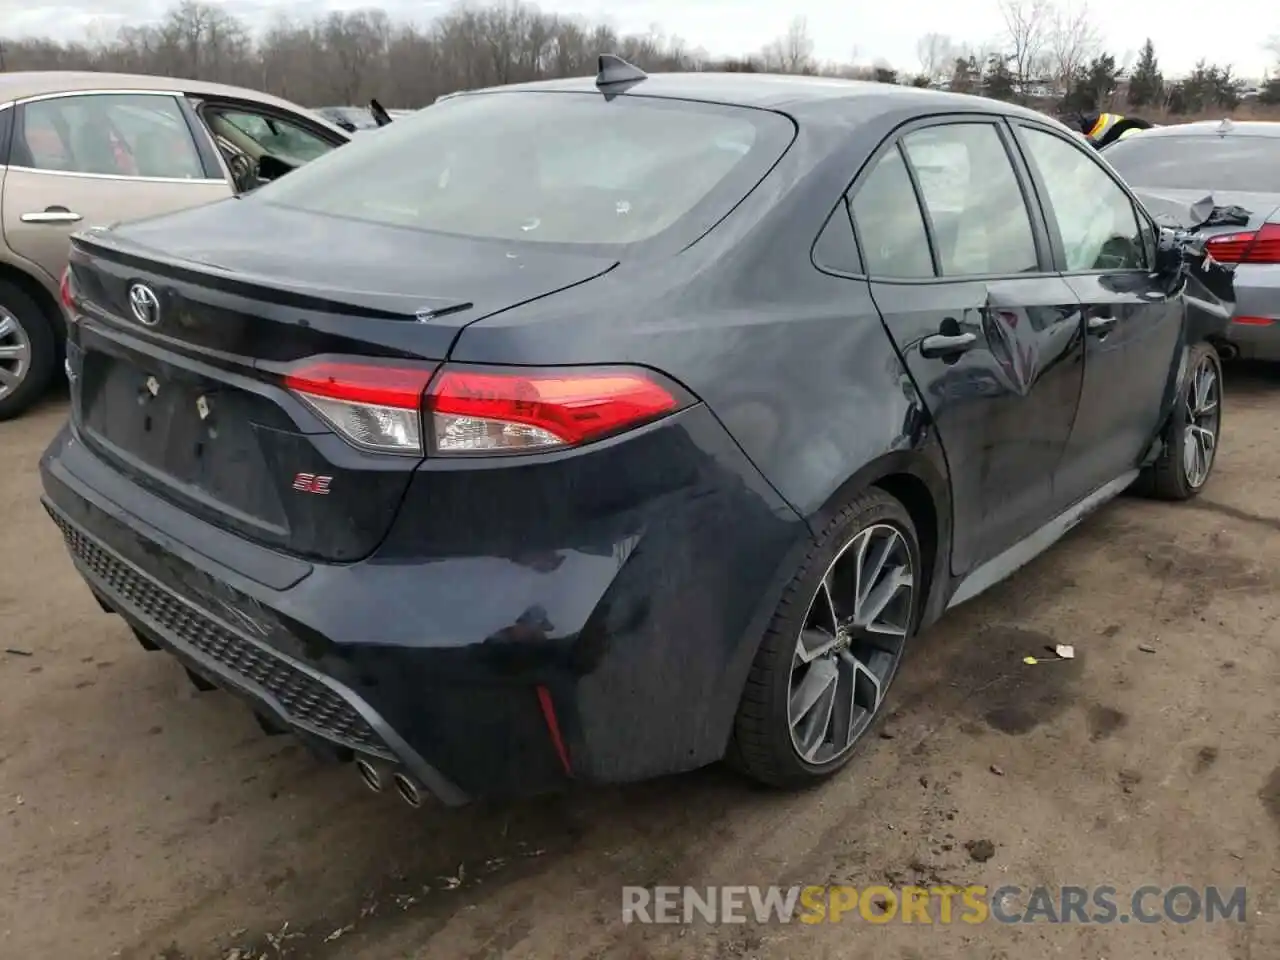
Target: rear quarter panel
[{"x": 794, "y": 362}]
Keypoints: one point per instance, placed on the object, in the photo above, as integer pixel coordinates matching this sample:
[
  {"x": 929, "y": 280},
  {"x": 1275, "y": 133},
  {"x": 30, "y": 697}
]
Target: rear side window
[
  {"x": 1100, "y": 230},
  {"x": 979, "y": 218},
  {"x": 1198, "y": 163},
  {"x": 890, "y": 226},
  {"x": 124, "y": 135},
  {"x": 562, "y": 168},
  {"x": 836, "y": 250}
]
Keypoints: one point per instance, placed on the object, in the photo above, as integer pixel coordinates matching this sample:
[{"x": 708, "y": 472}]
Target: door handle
[
  {"x": 943, "y": 346},
  {"x": 52, "y": 215},
  {"x": 1101, "y": 326}
]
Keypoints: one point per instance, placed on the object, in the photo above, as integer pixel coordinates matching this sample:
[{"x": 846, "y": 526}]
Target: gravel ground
[{"x": 140, "y": 819}]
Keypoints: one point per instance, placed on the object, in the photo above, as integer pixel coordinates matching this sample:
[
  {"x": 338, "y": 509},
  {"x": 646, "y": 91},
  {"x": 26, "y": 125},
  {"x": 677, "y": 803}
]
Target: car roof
[
  {"x": 795, "y": 95},
  {"x": 35, "y": 83},
  {"x": 1216, "y": 128}
]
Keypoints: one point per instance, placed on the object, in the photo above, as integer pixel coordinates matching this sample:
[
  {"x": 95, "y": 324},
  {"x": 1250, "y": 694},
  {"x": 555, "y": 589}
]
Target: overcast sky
[{"x": 1182, "y": 30}]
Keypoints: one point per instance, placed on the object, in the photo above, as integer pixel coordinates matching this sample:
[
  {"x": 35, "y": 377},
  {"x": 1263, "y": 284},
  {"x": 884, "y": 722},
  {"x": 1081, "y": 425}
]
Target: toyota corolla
[{"x": 594, "y": 430}]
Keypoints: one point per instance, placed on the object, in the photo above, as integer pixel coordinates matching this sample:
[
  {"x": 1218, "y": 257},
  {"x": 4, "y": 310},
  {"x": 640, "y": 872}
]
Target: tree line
[
  {"x": 1053, "y": 50},
  {"x": 1050, "y": 53}
]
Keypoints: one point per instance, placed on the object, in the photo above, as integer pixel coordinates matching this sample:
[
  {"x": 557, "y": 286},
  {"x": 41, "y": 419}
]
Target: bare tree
[
  {"x": 1027, "y": 27},
  {"x": 793, "y": 51},
  {"x": 937, "y": 55},
  {"x": 1072, "y": 41}
]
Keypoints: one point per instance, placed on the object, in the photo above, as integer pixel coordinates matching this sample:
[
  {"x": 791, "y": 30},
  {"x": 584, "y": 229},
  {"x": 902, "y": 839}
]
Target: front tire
[
  {"x": 1191, "y": 436},
  {"x": 833, "y": 647},
  {"x": 28, "y": 351}
]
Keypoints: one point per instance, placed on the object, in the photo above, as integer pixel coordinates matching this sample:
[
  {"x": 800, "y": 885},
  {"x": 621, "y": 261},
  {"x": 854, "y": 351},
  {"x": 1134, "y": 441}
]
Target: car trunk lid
[
  {"x": 187, "y": 394},
  {"x": 1174, "y": 207}
]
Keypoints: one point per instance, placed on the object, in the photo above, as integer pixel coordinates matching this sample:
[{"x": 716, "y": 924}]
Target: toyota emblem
[{"x": 145, "y": 304}]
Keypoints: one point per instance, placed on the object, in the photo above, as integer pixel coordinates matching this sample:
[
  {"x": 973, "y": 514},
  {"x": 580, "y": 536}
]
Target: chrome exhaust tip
[
  {"x": 1227, "y": 350},
  {"x": 369, "y": 774},
  {"x": 408, "y": 790}
]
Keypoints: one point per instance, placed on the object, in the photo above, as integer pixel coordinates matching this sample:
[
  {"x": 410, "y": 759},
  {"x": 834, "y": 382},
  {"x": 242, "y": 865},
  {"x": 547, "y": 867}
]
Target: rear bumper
[
  {"x": 1256, "y": 341},
  {"x": 293, "y": 693},
  {"x": 616, "y": 655}
]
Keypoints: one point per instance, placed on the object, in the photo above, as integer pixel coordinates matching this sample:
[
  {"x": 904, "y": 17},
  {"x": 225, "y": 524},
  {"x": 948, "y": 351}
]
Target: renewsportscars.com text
[{"x": 1102, "y": 904}]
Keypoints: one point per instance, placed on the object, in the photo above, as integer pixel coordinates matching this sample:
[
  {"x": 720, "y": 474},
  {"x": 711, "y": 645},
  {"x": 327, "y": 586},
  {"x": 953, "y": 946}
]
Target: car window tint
[
  {"x": 538, "y": 167},
  {"x": 278, "y": 137},
  {"x": 835, "y": 249},
  {"x": 979, "y": 218},
  {"x": 132, "y": 135},
  {"x": 1095, "y": 216},
  {"x": 1203, "y": 163},
  {"x": 890, "y": 226}
]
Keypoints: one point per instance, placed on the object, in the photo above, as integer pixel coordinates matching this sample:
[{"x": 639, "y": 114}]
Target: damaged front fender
[{"x": 1207, "y": 286}]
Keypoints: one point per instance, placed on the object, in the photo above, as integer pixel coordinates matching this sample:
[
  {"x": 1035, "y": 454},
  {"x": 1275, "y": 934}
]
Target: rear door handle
[
  {"x": 52, "y": 215},
  {"x": 1101, "y": 326},
  {"x": 942, "y": 346}
]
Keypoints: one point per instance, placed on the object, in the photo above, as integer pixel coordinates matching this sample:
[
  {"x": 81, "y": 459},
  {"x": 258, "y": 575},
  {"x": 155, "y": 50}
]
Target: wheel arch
[
  {"x": 918, "y": 479},
  {"x": 36, "y": 289}
]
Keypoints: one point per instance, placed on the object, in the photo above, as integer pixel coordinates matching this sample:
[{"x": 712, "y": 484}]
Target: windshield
[
  {"x": 1199, "y": 163},
  {"x": 562, "y": 168}
]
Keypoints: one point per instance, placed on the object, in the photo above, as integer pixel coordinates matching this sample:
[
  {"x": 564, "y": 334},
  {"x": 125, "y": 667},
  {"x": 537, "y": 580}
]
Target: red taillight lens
[
  {"x": 1266, "y": 248},
  {"x": 66, "y": 290},
  {"x": 372, "y": 406},
  {"x": 529, "y": 411},
  {"x": 1262, "y": 246}
]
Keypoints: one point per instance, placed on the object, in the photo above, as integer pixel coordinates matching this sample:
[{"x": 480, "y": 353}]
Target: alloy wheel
[
  {"x": 851, "y": 643},
  {"x": 15, "y": 353},
  {"x": 1204, "y": 415}
]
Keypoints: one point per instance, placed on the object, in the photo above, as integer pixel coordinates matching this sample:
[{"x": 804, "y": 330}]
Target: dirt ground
[{"x": 140, "y": 819}]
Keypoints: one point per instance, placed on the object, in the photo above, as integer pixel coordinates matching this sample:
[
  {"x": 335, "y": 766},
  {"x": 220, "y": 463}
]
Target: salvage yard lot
[{"x": 140, "y": 819}]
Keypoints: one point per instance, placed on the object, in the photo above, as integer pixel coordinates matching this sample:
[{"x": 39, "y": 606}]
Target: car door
[
  {"x": 961, "y": 272},
  {"x": 1104, "y": 243},
  {"x": 88, "y": 159}
]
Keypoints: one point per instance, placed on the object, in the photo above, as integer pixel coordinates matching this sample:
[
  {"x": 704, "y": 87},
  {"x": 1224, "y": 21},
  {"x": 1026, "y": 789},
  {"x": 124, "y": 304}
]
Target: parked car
[
  {"x": 596, "y": 430},
  {"x": 1236, "y": 164},
  {"x": 93, "y": 148},
  {"x": 350, "y": 119}
]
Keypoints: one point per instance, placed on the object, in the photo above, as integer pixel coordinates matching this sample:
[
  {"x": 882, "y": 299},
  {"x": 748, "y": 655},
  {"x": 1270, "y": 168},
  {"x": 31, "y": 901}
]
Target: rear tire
[
  {"x": 1191, "y": 436},
  {"x": 28, "y": 351},
  {"x": 833, "y": 647}
]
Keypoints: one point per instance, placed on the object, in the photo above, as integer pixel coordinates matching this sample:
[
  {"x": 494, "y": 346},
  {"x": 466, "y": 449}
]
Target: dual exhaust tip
[{"x": 402, "y": 783}]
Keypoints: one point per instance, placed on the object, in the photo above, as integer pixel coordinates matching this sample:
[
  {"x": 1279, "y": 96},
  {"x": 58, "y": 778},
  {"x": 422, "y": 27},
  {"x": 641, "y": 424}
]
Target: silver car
[
  {"x": 1237, "y": 164},
  {"x": 85, "y": 149}
]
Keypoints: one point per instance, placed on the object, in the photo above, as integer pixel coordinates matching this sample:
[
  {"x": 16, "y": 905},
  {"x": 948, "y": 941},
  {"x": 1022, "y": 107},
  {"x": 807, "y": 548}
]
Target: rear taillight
[
  {"x": 382, "y": 407},
  {"x": 1261, "y": 246},
  {"x": 527, "y": 411},
  {"x": 372, "y": 406},
  {"x": 67, "y": 291}
]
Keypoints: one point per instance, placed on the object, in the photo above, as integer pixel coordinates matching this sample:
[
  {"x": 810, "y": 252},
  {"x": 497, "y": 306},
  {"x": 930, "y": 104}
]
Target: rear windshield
[
  {"x": 562, "y": 168},
  {"x": 1199, "y": 163}
]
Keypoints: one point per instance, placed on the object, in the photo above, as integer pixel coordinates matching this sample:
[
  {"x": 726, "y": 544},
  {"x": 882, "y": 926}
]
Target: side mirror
[
  {"x": 242, "y": 170},
  {"x": 1169, "y": 255},
  {"x": 380, "y": 115}
]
